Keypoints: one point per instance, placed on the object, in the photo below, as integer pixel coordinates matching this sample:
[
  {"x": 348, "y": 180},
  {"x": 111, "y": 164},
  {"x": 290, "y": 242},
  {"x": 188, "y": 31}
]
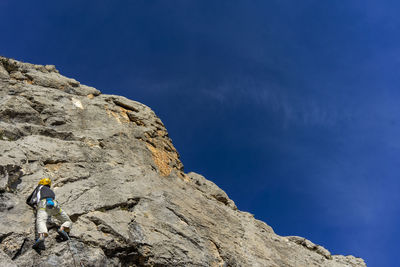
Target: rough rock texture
[{"x": 117, "y": 174}]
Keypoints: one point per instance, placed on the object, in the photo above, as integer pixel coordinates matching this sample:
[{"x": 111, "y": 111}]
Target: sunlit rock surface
[{"x": 117, "y": 174}]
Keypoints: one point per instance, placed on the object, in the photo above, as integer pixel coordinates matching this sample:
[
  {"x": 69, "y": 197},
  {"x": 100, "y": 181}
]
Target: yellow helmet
[{"x": 45, "y": 181}]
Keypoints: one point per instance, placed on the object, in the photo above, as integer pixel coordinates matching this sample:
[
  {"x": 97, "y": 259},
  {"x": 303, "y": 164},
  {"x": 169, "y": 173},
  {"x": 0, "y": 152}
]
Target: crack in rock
[
  {"x": 10, "y": 177},
  {"x": 20, "y": 250}
]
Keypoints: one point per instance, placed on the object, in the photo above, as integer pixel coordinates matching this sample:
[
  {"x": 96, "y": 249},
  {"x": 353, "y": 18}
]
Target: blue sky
[{"x": 290, "y": 106}]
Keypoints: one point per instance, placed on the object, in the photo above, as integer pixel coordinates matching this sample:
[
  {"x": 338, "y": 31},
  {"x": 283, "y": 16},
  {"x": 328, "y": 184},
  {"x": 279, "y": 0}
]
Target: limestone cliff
[{"x": 117, "y": 174}]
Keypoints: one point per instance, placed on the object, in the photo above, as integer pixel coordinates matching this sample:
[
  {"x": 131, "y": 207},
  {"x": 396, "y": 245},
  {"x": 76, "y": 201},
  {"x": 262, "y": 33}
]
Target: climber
[{"x": 43, "y": 199}]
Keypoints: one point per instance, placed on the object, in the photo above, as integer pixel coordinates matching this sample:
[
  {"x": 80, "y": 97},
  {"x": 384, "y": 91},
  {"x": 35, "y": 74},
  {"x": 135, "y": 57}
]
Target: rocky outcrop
[{"x": 117, "y": 174}]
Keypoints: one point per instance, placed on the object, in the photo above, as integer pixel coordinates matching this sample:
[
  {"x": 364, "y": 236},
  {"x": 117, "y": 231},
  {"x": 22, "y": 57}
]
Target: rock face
[{"x": 117, "y": 174}]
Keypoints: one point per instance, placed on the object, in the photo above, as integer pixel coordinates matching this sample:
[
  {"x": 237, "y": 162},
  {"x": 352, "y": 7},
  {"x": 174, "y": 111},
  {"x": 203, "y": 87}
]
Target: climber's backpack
[{"x": 33, "y": 198}]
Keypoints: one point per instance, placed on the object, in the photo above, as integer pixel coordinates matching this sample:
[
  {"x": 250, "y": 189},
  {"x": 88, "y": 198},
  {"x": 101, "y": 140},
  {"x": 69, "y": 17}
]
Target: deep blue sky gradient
[{"x": 292, "y": 107}]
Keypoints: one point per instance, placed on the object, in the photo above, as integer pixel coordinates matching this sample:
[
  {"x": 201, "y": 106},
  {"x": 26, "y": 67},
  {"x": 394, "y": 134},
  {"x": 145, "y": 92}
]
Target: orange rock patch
[
  {"x": 161, "y": 159},
  {"x": 121, "y": 117},
  {"x": 53, "y": 167}
]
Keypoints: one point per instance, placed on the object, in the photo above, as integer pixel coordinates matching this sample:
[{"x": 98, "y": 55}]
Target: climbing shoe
[
  {"x": 64, "y": 236},
  {"x": 39, "y": 244}
]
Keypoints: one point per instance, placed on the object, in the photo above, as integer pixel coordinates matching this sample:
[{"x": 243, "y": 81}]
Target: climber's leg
[
  {"x": 41, "y": 220},
  {"x": 66, "y": 224}
]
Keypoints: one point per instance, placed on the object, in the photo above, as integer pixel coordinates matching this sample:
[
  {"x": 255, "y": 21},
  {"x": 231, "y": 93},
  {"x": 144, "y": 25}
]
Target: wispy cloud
[{"x": 291, "y": 107}]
